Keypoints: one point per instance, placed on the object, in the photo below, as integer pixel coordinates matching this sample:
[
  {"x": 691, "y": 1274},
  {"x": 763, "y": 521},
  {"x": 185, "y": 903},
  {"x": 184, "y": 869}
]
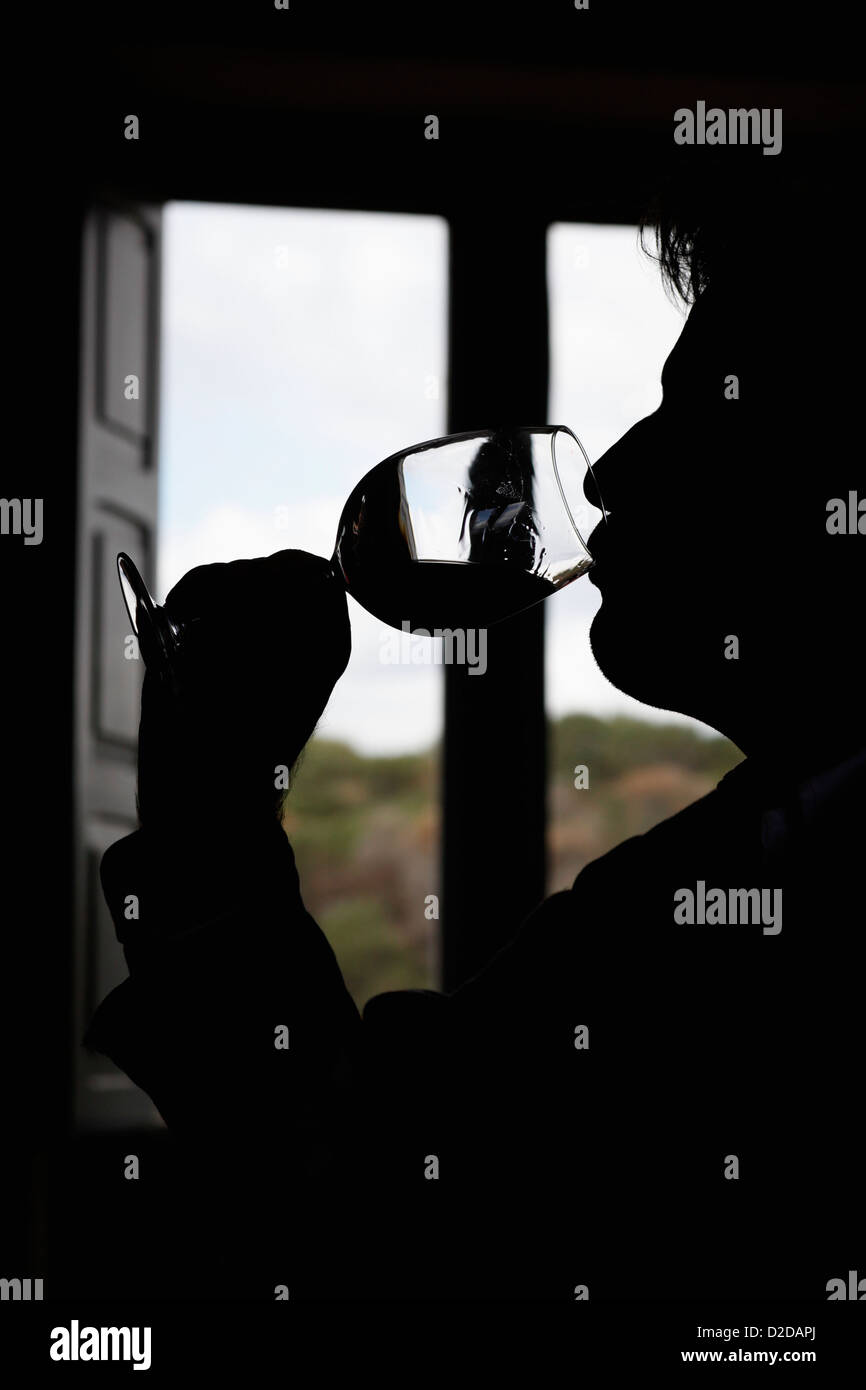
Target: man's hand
[{"x": 265, "y": 643}]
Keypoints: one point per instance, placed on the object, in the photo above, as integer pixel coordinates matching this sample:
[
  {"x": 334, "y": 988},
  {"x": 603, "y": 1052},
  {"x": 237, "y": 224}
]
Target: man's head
[{"x": 718, "y": 500}]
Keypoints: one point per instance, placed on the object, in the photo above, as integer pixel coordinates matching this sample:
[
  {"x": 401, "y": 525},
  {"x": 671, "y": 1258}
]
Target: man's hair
[
  {"x": 779, "y": 245},
  {"x": 729, "y": 213}
]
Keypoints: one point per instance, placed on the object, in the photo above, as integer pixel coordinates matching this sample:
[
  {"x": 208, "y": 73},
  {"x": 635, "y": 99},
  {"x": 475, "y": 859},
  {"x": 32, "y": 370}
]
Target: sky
[
  {"x": 301, "y": 347},
  {"x": 611, "y": 327}
]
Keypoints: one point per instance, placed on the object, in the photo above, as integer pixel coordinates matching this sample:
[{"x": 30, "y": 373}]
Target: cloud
[{"x": 228, "y": 532}]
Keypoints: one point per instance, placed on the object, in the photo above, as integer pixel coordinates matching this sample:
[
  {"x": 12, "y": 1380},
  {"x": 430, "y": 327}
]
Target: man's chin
[{"x": 633, "y": 657}]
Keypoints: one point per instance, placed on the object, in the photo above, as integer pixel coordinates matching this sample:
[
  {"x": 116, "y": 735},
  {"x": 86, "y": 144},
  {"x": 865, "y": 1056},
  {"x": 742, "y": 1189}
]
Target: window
[
  {"x": 611, "y": 328},
  {"x": 300, "y": 347},
  {"x": 295, "y": 349}
]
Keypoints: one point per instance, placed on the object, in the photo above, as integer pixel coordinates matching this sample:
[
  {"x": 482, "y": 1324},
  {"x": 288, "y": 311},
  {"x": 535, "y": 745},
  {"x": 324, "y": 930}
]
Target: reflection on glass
[{"x": 467, "y": 530}]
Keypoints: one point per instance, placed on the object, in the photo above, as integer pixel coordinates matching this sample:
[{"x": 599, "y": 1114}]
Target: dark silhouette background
[{"x": 581, "y": 120}]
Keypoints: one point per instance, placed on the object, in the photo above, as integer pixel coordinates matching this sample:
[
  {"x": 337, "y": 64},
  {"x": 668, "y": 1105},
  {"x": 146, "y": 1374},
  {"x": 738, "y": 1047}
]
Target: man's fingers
[{"x": 258, "y": 584}]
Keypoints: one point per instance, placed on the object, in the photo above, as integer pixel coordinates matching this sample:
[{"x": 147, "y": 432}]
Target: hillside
[{"x": 365, "y": 830}]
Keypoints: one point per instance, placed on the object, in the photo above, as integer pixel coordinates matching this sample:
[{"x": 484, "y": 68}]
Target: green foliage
[
  {"x": 364, "y": 830},
  {"x": 612, "y": 747},
  {"x": 334, "y": 789},
  {"x": 374, "y": 954}
]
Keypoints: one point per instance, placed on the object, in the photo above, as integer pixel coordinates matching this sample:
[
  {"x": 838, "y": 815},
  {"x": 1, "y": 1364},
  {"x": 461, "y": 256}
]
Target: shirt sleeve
[{"x": 235, "y": 1016}]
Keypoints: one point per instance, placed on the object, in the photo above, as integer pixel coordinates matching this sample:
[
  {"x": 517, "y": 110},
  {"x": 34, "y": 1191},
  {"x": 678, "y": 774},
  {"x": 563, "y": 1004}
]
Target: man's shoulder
[
  {"x": 693, "y": 830},
  {"x": 609, "y": 898}
]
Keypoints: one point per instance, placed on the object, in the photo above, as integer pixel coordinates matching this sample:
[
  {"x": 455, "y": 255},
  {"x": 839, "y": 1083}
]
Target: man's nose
[{"x": 624, "y": 466}]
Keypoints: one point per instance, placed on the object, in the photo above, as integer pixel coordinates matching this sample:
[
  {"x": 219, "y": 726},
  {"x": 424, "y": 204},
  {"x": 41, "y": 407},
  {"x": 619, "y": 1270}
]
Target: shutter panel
[{"x": 116, "y": 511}]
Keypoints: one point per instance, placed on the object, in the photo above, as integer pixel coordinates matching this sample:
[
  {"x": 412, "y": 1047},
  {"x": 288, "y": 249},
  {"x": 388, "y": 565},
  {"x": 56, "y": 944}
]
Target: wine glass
[
  {"x": 454, "y": 533},
  {"x": 468, "y": 530}
]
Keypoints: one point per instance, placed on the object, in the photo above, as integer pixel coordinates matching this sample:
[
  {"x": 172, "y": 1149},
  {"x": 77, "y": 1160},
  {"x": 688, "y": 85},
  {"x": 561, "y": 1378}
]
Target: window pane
[
  {"x": 611, "y": 328},
  {"x": 300, "y": 348}
]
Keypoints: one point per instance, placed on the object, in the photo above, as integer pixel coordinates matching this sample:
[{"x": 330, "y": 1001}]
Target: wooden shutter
[{"x": 117, "y": 506}]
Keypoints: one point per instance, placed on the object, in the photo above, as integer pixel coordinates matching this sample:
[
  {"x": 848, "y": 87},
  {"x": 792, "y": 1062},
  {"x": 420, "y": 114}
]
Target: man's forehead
[
  {"x": 715, "y": 314},
  {"x": 719, "y": 330}
]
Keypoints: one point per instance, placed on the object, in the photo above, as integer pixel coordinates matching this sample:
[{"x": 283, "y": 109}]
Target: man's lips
[{"x": 598, "y": 543}]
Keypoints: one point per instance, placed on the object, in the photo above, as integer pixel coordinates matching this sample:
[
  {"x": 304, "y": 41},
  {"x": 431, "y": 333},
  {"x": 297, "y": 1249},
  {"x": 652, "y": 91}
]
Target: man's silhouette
[{"x": 624, "y": 1102}]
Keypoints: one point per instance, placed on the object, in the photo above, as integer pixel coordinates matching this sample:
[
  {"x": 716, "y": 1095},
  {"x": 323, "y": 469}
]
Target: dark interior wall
[
  {"x": 327, "y": 129},
  {"x": 575, "y": 125}
]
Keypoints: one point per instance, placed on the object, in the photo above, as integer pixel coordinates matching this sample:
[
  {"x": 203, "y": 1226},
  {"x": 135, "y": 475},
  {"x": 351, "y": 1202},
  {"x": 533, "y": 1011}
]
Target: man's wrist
[{"x": 166, "y": 881}]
